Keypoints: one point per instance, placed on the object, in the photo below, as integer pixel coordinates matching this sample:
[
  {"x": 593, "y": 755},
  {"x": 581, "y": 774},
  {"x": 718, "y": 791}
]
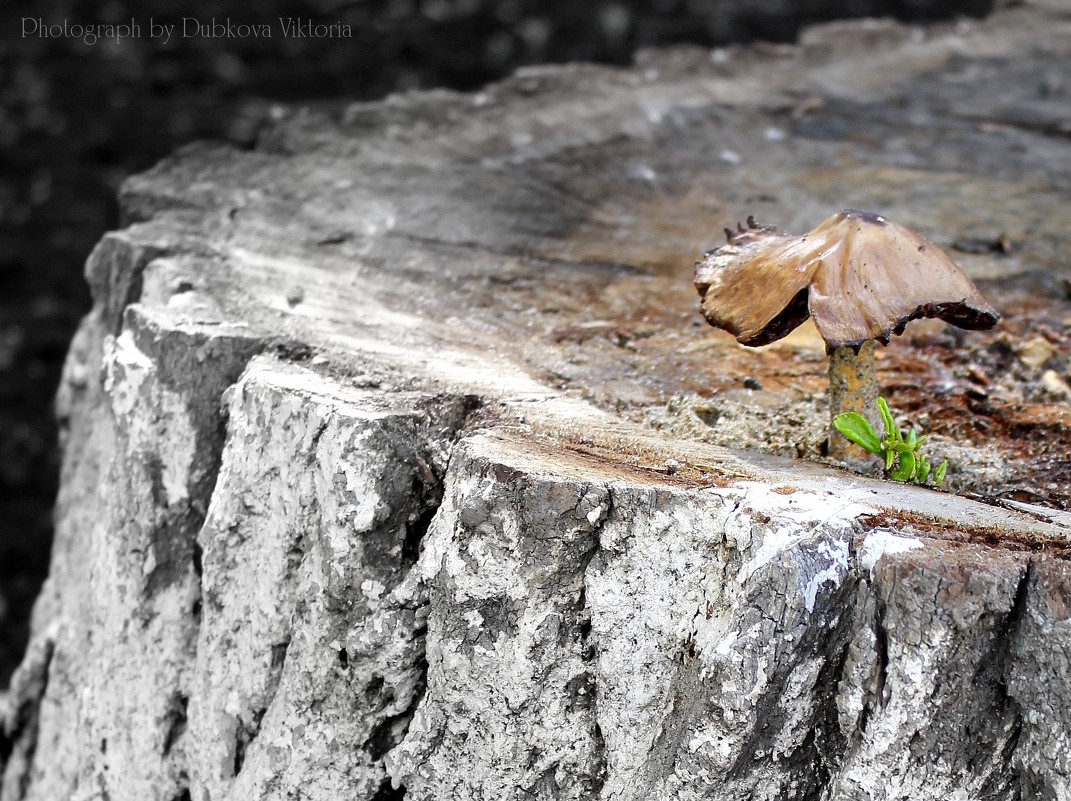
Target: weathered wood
[{"x": 394, "y": 450}]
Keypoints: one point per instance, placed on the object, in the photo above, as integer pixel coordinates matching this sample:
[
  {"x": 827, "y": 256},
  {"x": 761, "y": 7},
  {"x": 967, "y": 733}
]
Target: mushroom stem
[{"x": 853, "y": 387}]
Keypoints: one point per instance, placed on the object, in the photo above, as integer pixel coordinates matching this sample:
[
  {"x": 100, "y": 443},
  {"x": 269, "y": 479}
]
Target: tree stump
[{"x": 399, "y": 462}]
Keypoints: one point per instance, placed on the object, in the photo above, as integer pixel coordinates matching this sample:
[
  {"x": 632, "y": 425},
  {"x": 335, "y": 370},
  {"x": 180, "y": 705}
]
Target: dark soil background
[{"x": 77, "y": 118}]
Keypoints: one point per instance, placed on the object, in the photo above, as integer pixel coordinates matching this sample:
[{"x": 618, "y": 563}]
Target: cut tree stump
[{"x": 395, "y": 450}]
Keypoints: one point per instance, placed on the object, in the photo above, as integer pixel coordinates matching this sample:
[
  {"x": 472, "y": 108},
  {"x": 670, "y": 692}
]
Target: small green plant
[{"x": 903, "y": 460}]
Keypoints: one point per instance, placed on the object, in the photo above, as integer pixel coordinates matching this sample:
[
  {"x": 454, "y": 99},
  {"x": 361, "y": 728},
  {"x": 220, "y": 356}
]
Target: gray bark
[{"x": 363, "y": 489}]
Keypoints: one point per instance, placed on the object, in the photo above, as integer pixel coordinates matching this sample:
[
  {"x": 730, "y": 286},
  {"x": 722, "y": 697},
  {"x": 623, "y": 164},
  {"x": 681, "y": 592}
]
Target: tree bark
[{"x": 373, "y": 484}]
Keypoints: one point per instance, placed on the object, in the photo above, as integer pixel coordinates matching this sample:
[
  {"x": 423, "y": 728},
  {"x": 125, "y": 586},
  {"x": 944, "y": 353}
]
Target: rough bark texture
[{"x": 350, "y": 509}]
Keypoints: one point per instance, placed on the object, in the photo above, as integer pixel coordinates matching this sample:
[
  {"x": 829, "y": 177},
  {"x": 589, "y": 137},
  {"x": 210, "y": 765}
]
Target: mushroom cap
[{"x": 858, "y": 274}]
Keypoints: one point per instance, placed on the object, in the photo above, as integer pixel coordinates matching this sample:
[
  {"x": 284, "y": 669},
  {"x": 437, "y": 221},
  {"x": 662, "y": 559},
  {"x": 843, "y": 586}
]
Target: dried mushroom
[{"x": 860, "y": 276}]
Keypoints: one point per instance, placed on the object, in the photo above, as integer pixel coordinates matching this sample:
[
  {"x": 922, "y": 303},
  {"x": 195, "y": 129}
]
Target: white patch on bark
[{"x": 882, "y": 541}]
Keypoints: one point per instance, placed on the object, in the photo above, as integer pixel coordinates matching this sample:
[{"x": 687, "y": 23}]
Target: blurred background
[{"x": 77, "y": 118}]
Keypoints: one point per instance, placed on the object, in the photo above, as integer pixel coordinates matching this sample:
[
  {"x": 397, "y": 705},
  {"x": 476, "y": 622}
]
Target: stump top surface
[{"x": 533, "y": 244}]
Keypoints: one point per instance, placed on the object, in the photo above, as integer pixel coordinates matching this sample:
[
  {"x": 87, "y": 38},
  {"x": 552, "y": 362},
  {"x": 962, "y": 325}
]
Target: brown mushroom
[{"x": 860, "y": 276}]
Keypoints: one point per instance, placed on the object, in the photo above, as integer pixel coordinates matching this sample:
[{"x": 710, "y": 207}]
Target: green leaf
[
  {"x": 901, "y": 447},
  {"x": 897, "y": 447},
  {"x": 906, "y": 468},
  {"x": 891, "y": 431},
  {"x": 855, "y": 427},
  {"x": 922, "y": 469}
]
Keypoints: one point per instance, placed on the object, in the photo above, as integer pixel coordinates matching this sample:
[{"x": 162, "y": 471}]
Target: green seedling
[{"x": 899, "y": 450}]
